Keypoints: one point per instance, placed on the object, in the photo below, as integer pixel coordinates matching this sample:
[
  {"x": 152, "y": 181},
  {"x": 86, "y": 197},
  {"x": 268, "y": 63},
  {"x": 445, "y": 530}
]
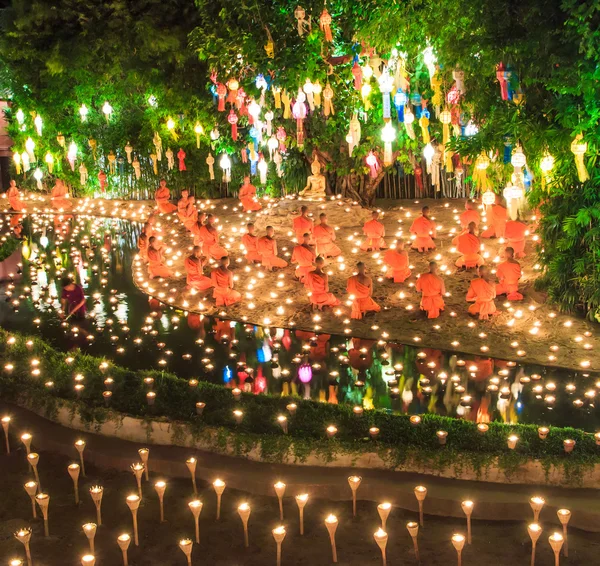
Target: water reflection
[{"x": 123, "y": 325}]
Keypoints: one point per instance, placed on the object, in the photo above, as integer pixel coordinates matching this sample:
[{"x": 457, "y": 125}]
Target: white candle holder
[
  {"x": 160, "y": 487},
  {"x": 534, "y": 531},
  {"x": 90, "y": 532},
  {"x": 96, "y": 493},
  {"x": 458, "y": 542},
  {"x": 467, "y": 507},
  {"x": 133, "y": 502},
  {"x": 191, "y": 465},
  {"x": 354, "y": 483},
  {"x": 31, "y": 487},
  {"x": 244, "y": 513},
  {"x": 219, "y": 487},
  {"x": 43, "y": 500},
  {"x": 196, "y": 508},
  {"x": 301, "y": 501},
  {"x": 138, "y": 472},
  {"x": 331, "y": 523},
  {"x": 124, "y": 541},
  {"x": 26, "y": 439},
  {"x": 556, "y": 542},
  {"x": 280, "y": 490},
  {"x": 279, "y": 535},
  {"x": 80, "y": 447},
  {"x": 384, "y": 510},
  {"x": 413, "y": 531},
  {"x": 564, "y": 516},
  {"x": 186, "y": 546},
  {"x": 73, "y": 470},
  {"x": 536, "y": 503},
  {"x": 24, "y": 537},
  {"x": 33, "y": 458},
  {"x": 144, "y": 456},
  {"x": 381, "y": 538},
  {"x": 421, "y": 493}
]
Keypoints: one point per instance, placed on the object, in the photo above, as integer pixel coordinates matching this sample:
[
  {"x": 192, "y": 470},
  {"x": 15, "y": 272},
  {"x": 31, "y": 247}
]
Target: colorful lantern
[
  {"x": 157, "y": 141},
  {"x": 354, "y": 134},
  {"x": 170, "y": 159},
  {"x": 29, "y": 147},
  {"x": 269, "y": 120},
  {"x": 309, "y": 91},
  {"x": 546, "y": 165},
  {"x": 17, "y": 161},
  {"x": 386, "y": 84},
  {"x": 409, "y": 118},
  {"x": 37, "y": 121},
  {"x": 299, "y": 113},
  {"x": 459, "y": 77},
  {"x": 578, "y": 148},
  {"x": 83, "y": 175},
  {"x": 49, "y": 159},
  {"x": 210, "y": 161},
  {"x": 233, "y": 85},
  {"x": 365, "y": 92},
  {"x": 225, "y": 163},
  {"x": 221, "y": 93},
  {"x": 325, "y": 24},
  {"x": 233, "y": 120},
  {"x": 107, "y": 110},
  {"x": 357, "y": 72},
  {"x": 305, "y": 373},
  {"x": 400, "y": 100},
  {"x": 262, "y": 170},
  {"x": 328, "y": 98},
  {"x": 198, "y": 130},
  {"x": 26, "y": 161},
  {"x": 137, "y": 168},
  {"x": 281, "y": 136},
  {"x": 181, "y": 157},
  {"x": 388, "y": 135},
  {"x": 373, "y": 164},
  {"x": 38, "y": 176},
  {"x": 502, "y": 75},
  {"x": 488, "y": 198},
  {"x": 128, "y": 152},
  {"x": 445, "y": 119}
]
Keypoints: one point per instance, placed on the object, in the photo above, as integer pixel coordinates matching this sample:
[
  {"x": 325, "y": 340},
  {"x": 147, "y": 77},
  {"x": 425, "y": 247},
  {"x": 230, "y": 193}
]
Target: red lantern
[
  {"x": 325, "y": 24},
  {"x": 233, "y": 120},
  {"x": 221, "y": 93},
  {"x": 181, "y": 157},
  {"x": 102, "y": 180},
  {"x": 357, "y": 72}
]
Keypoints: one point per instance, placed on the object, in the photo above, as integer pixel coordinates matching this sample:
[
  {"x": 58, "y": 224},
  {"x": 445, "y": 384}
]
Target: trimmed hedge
[{"x": 175, "y": 400}]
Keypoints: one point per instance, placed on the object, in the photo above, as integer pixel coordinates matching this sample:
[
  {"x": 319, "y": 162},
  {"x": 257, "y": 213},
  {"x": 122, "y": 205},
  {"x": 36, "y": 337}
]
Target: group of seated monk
[{"x": 262, "y": 250}]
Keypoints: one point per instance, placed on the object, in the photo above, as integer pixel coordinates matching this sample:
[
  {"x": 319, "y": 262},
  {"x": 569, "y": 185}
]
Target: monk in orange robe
[
  {"x": 182, "y": 204},
  {"x": 397, "y": 262},
  {"x": 360, "y": 289},
  {"x": 424, "y": 229},
  {"x": 191, "y": 213},
  {"x": 14, "y": 197},
  {"x": 509, "y": 273},
  {"x": 325, "y": 236},
  {"x": 497, "y": 219},
  {"x": 148, "y": 227},
  {"x": 317, "y": 282},
  {"x": 194, "y": 267},
  {"x": 303, "y": 224},
  {"x": 515, "y": 233},
  {"x": 196, "y": 227},
  {"x": 60, "y": 196},
  {"x": 162, "y": 196},
  {"x": 267, "y": 248},
  {"x": 374, "y": 232},
  {"x": 469, "y": 215},
  {"x": 250, "y": 243},
  {"x": 468, "y": 245},
  {"x": 482, "y": 293},
  {"x": 143, "y": 246},
  {"x": 432, "y": 289},
  {"x": 247, "y": 196},
  {"x": 156, "y": 267},
  {"x": 210, "y": 239},
  {"x": 222, "y": 279},
  {"x": 304, "y": 255}
]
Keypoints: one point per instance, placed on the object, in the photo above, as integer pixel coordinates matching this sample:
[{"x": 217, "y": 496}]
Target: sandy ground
[
  {"x": 531, "y": 330},
  {"x": 221, "y": 542}
]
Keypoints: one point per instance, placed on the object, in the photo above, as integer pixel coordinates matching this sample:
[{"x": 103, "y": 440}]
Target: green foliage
[
  {"x": 176, "y": 399},
  {"x": 8, "y": 246}
]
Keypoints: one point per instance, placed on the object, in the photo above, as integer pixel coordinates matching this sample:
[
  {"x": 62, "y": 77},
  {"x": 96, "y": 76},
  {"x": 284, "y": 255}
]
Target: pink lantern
[
  {"x": 373, "y": 164},
  {"x": 305, "y": 373}
]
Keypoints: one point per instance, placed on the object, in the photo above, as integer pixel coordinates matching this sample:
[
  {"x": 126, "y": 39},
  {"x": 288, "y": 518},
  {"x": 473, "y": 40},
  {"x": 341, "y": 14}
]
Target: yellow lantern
[
  {"x": 83, "y": 112},
  {"x": 446, "y": 119},
  {"x": 546, "y": 165},
  {"x": 198, "y": 130},
  {"x": 578, "y": 148},
  {"x": 17, "y": 160}
]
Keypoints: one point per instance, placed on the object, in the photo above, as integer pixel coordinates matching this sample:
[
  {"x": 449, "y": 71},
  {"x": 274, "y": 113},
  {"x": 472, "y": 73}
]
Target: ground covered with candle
[{"x": 222, "y": 542}]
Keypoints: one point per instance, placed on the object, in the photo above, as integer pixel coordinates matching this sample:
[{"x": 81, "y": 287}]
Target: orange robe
[
  {"x": 196, "y": 231},
  {"x": 497, "y": 218},
  {"x": 251, "y": 244},
  {"x": 318, "y": 285},
  {"x": 397, "y": 263},
  {"x": 162, "y": 196},
  {"x": 514, "y": 233},
  {"x": 304, "y": 257},
  {"x": 431, "y": 288},
  {"x": 223, "y": 293},
  {"x": 195, "y": 275},
  {"x": 325, "y": 236},
  {"x": 424, "y": 230},
  {"x": 190, "y": 218},
  {"x": 469, "y": 216},
  {"x": 156, "y": 267},
  {"x": 301, "y": 226},
  {"x": 210, "y": 243},
  {"x": 60, "y": 199},
  {"x": 143, "y": 247},
  {"x": 248, "y": 198},
  {"x": 362, "y": 302},
  {"x": 182, "y": 208},
  {"x": 483, "y": 295},
  {"x": 14, "y": 199},
  {"x": 508, "y": 274},
  {"x": 468, "y": 245},
  {"x": 267, "y": 248},
  {"x": 374, "y": 231}
]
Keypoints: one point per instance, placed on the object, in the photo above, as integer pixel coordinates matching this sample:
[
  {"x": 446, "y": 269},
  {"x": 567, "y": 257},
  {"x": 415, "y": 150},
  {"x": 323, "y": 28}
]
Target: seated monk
[
  {"x": 374, "y": 232},
  {"x": 156, "y": 267},
  {"x": 482, "y": 293},
  {"x": 14, "y": 197},
  {"x": 497, "y": 219},
  {"x": 247, "y": 196},
  {"x": 267, "y": 248},
  {"x": 182, "y": 204},
  {"x": 509, "y": 273},
  {"x": 143, "y": 246},
  {"x": 515, "y": 232},
  {"x": 469, "y": 246},
  {"x": 317, "y": 283},
  {"x": 222, "y": 279},
  {"x": 60, "y": 196},
  {"x": 303, "y": 224},
  {"x": 196, "y": 227},
  {"x": 397, "y": 262},
  {"x": 162, "y": 196},
  {"x": 432, "y": 289},
  {"x": 210, "y": 239},
  {"x": 194, "y": 267},
  {"x": 190, "y": 214},
  {"x": 324, "y": 237},
  {"x": 360, "y": 289},
  {"x": 424, "y": 228},
  {"x": 469, "y": 215},
  {"x": 250, "y": 243},
  {"x": 304, "y": 255},
  {"x": 148, "y": 227}
]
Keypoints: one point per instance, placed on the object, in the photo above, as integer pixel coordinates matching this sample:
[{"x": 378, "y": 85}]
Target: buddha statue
[{"x": 315, "y": 185}]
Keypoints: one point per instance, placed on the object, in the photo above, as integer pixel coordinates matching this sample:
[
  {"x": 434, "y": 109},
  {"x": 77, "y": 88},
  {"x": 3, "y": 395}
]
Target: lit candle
[
  {"x": 280, "y": 490},
  {"x": 219, "y": 487},
  {"x": 331, "y": 523},
  {"x": 420, "y": 493},
  {"x": 244, "y": 513}
]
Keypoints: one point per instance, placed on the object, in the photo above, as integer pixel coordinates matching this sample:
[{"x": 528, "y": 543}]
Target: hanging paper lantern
[
  {"x": 101, "y": 180},
  {"x": 215, "y": 134},
  {"x": 317, "y": 89},
  {"x": 305, "y": 373},
  {"x": 225, "y": 163},
  {"x": 49, "y": 159},
  {"x": 233, "y": 85},
  {"x": 518, "y": 159},
  {"x": 171, "y": 127},
  {"x": 579, "y": 148},
  {"x": 459, "y": 77},
  {"x": 400, "y": 100},
  {"x": 373, "y": 164},
  {"x": 262, "y": 169},
  {"x": 429, "y": 59},
  {"x": 488, "y": 198},
  {"x": 38, "y": 176},
  {"x": 170, "y": 159},
  {"x": 83, "y": 175},
  {"x": 107, "y": 110},
  {"x": 83, "y": 112},
  {"x": 424, "y": 123},
  {"x": 60, "y": 139},
  {"x": 480, "y": 171},
  {"x": 210, "y": 161},
  {"x": 281, "y": 136},
  {"x": 354, "y": 134},
  {"x": 221, "y": 93},
  {"x": 272, "y": 144},
  {"x": 154, "y": 162},
  {"x": 445, "y": 119},
  {"x": 26, "y": 161},
  {"x": 128, "y": 151},
  {"x": 262, "y": 85},
  {"x": 157, "y": 141},
  {"x": 388, "y": 135},
  {"x": 438, "y": 98},
  {"x": 277, "y": 97},
  {"x": 325, "y": 24},
  {"x": 357, "y": 72},
  {"x": 386, "y": 84},
  {"x": 233, "y": 120},
  {"x": 409, "y": 118},
  {"x": 29, "y": 147},
  {"x": 269, "y": 119},
  {"x": 278, "y": 161},
  {"x": 20, "y": 115},
  {"x": 513, "y": 192},
  {"x": 365, "y": 92},
  {"x": 299, "y": 14},
  {"x": 198, "y": 130},
  {"x": 181, "y": 157},
  {"x": 502, "y": 77},
  {"x": 137, "y": 168},
  {"x": 309, "y": 91},
  {"x": 111, "y": 163},
  {"x": 17, "y": 160},
  {"x": 299, "y": 113},
  {"x": 546, "y": 165},
  {"x": 428, "y": 153},
  {"x": 286, "y": 101},
  {"x": 253, "y": 111},
  {"x": 38, "y": 124},
  {"x": 328, "y": 98}
]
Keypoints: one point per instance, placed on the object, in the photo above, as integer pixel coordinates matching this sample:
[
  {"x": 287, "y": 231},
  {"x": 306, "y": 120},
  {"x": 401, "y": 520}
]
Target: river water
[{"x": 123, "y": 326}]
